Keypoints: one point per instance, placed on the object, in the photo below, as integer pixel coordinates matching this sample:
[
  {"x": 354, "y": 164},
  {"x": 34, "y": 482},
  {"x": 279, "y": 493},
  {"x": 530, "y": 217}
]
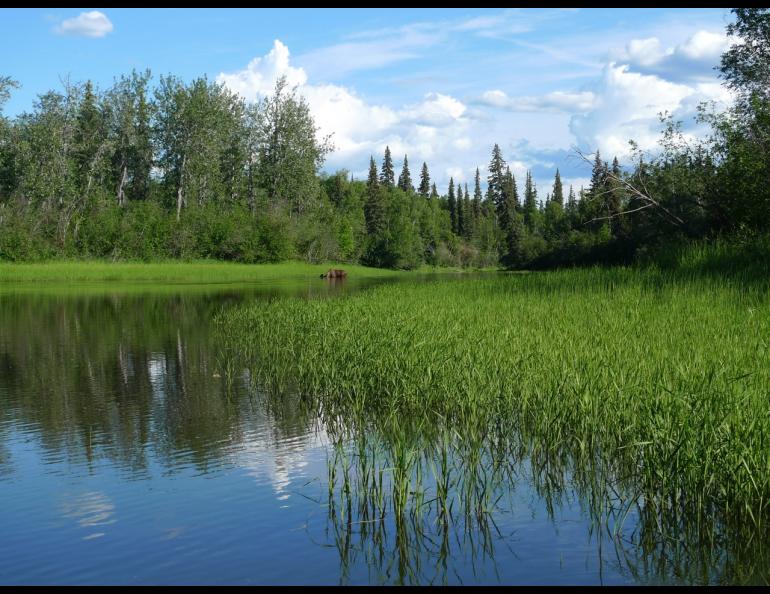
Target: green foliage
[
  {"x": 289, "y": 153},
  {"x": 452, "y": 206},
  {"x": 477, "y": 198},
  {"x": 496, "y": 184},
  {"x": 424, "y": 189},
  {"x": 530, "y": 206},
  {"x": 398, "y": 244},
  {"x": 189, "y": 170},
  {"x": 374, "y": 208},
  {"x": 19, "y": 240},
  {"x": 405, "y": 178},
  {"x": 558, "y": 191},
  {"x": 460, "y": 210},
  {"x": 387, "y": 176},
  {"x": 195, "y": 126},
  {"x": 746, "y": 65},
  {"x": 130, "y": 121}
]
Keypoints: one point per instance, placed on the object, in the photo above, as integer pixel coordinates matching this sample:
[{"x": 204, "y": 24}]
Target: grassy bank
[
  {"x": 205, "y": 271},
  {"x": 201, "y": 271},
  {"x": 650, "y": 384}
]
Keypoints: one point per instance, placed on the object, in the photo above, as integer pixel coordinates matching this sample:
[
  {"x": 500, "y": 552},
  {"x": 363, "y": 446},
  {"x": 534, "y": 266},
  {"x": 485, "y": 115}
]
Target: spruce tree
[
  {"x": 594, "y": 205},
  {"x": 531, "y": 210},
  {"x": 460, "y": 211},
  {"x": 597, "y": 175},
  {"x": 558, "y": 191},
  {"x": 387, "y": 175},
  {"x": 509, "y": 218},
  {"x": 509, "y": 200},
  {"x": 433, "y": 192},
  {"x": 452, "y": 204},
  {"x": 405, "y": 179},
  {"x": 570, "y": 210},
  {"x": 553, "y": 213},
  {"x": 424, "y": 189},
  {"x": 514, "y": 235},
  {"x": 373, "y": 207},
  {"x": 530, "y": 196},
  {"x": 510, "y": 192},
  {"x": 598, "y": 180},
  {"x": 477, "y": 198},
  {"x": 615, "y": 198},
  {"x": 467, "y": 215},
  {"x": 496, "y": 181}
]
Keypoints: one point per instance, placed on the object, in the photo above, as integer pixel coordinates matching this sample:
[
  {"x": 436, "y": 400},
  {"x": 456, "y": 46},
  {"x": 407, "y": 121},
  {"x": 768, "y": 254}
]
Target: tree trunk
[
  {"x": 122, "y": 185},
  {"x": 252, "y": 198},
  {"x": 179, "y": 194}
]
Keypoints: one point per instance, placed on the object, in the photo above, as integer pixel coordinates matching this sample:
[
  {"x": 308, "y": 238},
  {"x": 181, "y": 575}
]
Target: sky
[{"x": 441, "y": 85}]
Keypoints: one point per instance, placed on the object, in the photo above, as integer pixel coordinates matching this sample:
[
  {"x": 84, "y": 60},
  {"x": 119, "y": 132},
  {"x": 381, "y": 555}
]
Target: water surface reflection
[{"x": 132, "y": 451}]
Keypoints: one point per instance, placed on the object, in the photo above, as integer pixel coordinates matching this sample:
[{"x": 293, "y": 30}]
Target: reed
[{"x": 646, "y": 391}]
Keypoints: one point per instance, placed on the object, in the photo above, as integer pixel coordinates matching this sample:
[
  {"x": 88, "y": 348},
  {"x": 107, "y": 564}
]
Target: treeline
[
  {"x": 190, "y": 170},
  {"x": 187, "y": 171},
  {"x": 686, "y": 191}
]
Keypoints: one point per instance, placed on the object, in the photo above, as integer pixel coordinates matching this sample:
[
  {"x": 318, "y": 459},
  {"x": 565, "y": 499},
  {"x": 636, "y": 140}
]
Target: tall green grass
[
  {"x": 741, "y": 258},
  {"x": 649, "y": 390}
]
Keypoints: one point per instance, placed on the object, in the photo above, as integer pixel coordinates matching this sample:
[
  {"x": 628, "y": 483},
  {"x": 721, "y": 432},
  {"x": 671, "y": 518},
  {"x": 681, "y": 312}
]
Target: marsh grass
[
  {"x": 645, "y": 392},
  {"x": 741, "y": 258}
]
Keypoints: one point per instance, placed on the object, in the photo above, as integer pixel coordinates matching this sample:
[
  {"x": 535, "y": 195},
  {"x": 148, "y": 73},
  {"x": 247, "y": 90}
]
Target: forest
[
  {"x": 155, "y": 169},
  {"x": 519, "y": 380}
]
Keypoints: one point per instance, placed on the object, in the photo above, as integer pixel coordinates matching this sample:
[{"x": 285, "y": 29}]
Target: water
[{"x": 127, "y": 457}]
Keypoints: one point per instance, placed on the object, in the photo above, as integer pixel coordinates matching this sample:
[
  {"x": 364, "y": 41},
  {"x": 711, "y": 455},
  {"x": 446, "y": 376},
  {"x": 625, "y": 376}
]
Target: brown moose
[{"x": 334, "y": 273}]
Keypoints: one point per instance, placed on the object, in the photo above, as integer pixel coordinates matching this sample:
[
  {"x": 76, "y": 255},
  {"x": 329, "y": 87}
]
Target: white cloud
[
  {"x": 646, "y": 52},
  {"x": 495, "y": 98},
  {"x": 509, "y": 23},
  {"x": 355, "y": 124},
  {"x": 576, "y": 183},
  {"x": 86, "y": 24},
  {"x": 482, "y": 23},
  {"x": 337, "y": 110},
  {"x": 519, "y": 168},
  {"x": 435, "y": 110},
  {"x": 433, "y": 128},
  {"x": 627, "y": 107},
  {"x": 373, "y": 49},
  {"x": 456, "y": 173},
  {"x": 695, "y": 58},
  {"x": 704, "y": 45},
  {"x": 555, "y": 101},
  {"x": 462, "y": 144},
  {"x": 454, "y": 134},
  {"x": 651, "y": 79},
  {"x": 377, "y": 48},
  {"x": 258, "y": 78}
]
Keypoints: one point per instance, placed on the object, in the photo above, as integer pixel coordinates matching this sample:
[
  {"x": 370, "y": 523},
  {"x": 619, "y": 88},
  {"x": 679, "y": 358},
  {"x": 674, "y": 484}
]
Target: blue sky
[{"x": 439, "y": 84}]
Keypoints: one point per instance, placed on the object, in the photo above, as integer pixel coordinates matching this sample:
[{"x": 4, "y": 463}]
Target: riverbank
[{"x": 199, "y": 272}]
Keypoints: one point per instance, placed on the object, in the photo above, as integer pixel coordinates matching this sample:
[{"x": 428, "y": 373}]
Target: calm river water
[{"x": 126, "y": 459}]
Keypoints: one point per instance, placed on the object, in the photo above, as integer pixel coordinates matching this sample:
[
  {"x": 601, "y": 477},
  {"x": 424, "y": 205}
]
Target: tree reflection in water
[{"x": 143, "y": 379}]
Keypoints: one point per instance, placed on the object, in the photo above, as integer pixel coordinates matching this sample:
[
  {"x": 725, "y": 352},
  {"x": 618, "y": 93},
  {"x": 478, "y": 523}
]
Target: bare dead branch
[
  {"x": 642, "y": 194},
  {"x": 619, "y": 214}
]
